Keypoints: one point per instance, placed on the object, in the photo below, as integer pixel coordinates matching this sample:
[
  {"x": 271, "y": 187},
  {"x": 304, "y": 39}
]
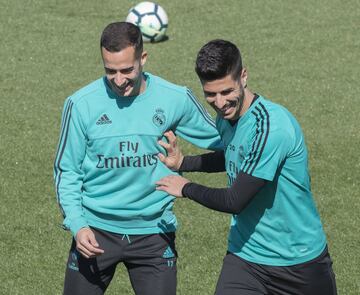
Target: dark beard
[
  {"x": 118, "y": 90},
  {"x": 240, "y": 102}
]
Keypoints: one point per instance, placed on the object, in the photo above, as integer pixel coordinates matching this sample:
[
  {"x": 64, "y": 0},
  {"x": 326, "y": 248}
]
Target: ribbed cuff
[
  {"x": 77, "y": 224},
  {"x": 186, "y": 190}
]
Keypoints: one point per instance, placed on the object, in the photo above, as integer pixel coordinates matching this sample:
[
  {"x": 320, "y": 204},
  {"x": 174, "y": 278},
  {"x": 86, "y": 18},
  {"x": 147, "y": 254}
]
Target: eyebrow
[
  {"x": 222, "y": 91},
  {"x": 120, "y": 70}
]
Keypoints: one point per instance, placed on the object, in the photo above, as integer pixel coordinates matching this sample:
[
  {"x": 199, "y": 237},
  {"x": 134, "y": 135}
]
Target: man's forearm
[
  {"x": 230, "y": 200},
  {"x": 210, "y": 162}
]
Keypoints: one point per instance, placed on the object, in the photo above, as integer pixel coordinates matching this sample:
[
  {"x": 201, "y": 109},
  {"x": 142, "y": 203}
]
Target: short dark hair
[
  {"x": 217, "y": 59},
  {"x": 120, "y": 35}
]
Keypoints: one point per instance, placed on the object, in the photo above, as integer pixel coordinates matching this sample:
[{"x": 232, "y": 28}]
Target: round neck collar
[{"x": 127, "y": 99}]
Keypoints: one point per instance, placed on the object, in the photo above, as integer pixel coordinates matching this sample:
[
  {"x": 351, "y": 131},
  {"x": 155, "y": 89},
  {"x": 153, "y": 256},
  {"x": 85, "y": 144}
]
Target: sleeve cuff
[
  {"x": 186, "y": 190},
  {"x": 76, "y": 225}
]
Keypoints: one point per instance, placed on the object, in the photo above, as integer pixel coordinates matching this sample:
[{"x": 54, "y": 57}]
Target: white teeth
[{"x": 225, "y": 108}]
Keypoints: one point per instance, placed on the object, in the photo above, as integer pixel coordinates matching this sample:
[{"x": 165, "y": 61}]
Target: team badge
[{"x": 159, "y": 118}]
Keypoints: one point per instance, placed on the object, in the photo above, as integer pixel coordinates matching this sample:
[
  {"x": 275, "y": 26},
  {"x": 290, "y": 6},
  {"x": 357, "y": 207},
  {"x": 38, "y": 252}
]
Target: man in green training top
[
  {"x": 276, "y": 241},
  {"x": 106, "y": 167}
]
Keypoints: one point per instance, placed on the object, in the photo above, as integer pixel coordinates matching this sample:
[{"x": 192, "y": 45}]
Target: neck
[
  {"x": 143, "y": 84},
  {"x": 140, "y": 86},
  {"x": 249, "y": 97}
]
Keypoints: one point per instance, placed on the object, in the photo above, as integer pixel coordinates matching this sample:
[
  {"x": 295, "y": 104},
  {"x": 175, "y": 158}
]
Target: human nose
[
  {"x": 219, "y": 101},
  {"x": 119, "y": 79}
]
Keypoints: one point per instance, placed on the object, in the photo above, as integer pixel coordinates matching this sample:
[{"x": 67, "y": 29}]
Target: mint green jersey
[
  {"x": 106, "y": 165},
  {"x": 280, "y": 226}
]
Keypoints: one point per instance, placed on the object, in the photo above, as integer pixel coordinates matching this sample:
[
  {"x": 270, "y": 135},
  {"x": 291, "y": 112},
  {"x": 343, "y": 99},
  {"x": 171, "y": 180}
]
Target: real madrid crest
[{"x": 159, "y": 118}]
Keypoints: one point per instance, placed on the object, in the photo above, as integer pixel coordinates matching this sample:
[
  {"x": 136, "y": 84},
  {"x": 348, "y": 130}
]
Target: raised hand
[
  {"x": 174, "y": 156},
  {"x": 172, "y": 184}
]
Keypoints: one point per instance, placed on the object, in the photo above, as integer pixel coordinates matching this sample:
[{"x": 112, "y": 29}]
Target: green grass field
[{"x": 303, "y": 54}]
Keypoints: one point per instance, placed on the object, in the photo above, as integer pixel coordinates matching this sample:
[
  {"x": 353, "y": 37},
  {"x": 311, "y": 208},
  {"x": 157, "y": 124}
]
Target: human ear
[
  {"x": 143, "y": 58},
  {"x": 244, "y": 77}
]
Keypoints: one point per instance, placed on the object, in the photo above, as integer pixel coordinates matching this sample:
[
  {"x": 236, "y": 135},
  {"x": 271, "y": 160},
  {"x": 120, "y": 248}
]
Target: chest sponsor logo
[
  {"x": 232, "y": 170},
  {"x": 128, "y": 156},
  {"x": 159, "y": 118},
  {"x": 237, "y": 156}
]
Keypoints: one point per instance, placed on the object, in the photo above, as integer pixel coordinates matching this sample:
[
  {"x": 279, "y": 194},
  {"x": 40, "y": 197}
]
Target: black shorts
[
  {"x": 238, "y": 277},
  {"x": 149, "y": 259}
]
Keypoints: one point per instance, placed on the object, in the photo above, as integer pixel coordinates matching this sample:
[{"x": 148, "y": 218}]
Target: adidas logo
[
  {"x": 103, "y": 120},
  {"x": 168, "y": 253}
]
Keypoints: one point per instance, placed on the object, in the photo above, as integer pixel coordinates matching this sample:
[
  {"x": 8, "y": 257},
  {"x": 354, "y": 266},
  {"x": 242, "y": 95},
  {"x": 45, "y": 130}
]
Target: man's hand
[
  {"x": 172, "y": 184},
  {"x": 174, "y": 156},
  {"x": 86, "y": 243}
]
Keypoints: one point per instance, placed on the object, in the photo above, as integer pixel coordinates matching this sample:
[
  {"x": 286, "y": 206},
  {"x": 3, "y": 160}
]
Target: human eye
[
  {"x": 226, "y": 92},
  {"x": 110, "y": 71},
  {"x": 127, "y": 70},
  {"x": 209, "y": 94}
]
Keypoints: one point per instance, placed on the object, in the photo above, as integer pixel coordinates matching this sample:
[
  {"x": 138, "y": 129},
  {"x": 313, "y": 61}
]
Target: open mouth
[
  {"x": 225, "y": 110},
  {"x": 124, "y": 87}
]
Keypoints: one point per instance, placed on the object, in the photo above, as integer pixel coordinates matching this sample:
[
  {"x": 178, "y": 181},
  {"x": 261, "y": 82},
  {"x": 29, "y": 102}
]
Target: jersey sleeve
[
  {"x": 68, "y": 175},
  {"x": 230, "y": 200},
  {"x": 209, "y": 162},
  {"x": 197, "y": 126},
  {"x": 268, "y": 151}
]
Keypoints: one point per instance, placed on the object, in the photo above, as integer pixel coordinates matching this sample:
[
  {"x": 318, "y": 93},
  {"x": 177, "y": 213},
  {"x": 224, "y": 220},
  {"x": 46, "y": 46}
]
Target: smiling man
[
  {"x": 106, "y": 166},
  {"x": 276, "y": 241},
  {"x": 124, "y": 70}
]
